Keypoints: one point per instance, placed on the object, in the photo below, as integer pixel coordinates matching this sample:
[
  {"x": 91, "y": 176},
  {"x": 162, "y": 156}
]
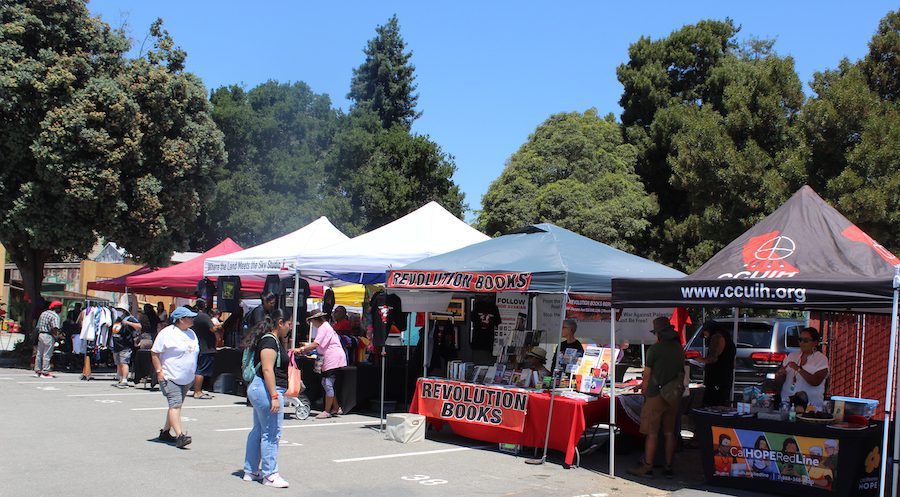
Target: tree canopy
[
  {"x": 852, "y": 126},
  {"x": 574, "y": 171},
  {"x": 715, "y": 125},
  {"x": 93, "y": 144},
  {"x": 277, "y": 136}
]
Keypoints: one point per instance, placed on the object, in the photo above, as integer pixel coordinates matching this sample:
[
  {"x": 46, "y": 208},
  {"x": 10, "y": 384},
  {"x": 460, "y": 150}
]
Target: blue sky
[{"x": 488, "y": 73}]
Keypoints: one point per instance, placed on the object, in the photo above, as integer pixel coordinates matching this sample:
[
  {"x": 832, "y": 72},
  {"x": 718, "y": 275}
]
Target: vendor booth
[
  {"x": 805, "y": 255},
  {"x": 322, "y": 254},
  {"x": 521, "y": 268}
]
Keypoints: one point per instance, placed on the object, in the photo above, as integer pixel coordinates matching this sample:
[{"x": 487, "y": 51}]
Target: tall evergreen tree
[{"x": 385, "y": 82}]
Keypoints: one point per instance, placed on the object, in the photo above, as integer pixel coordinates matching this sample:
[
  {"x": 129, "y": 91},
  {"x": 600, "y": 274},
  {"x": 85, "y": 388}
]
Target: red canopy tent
[
  {"x": 180, "y": 280},
  {"x": 116, "y": 284}
]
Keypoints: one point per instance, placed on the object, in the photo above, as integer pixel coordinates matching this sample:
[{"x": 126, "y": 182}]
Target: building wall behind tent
[{"x": 857, "y": 346}]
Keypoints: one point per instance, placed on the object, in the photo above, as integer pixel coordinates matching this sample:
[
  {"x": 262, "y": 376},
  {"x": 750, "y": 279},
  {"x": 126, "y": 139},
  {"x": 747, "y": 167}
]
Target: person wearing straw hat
[
  {"x": 536, "y": 359},
  {"x": 47, "y": 327},
  {"x": 328, "y": 345}
]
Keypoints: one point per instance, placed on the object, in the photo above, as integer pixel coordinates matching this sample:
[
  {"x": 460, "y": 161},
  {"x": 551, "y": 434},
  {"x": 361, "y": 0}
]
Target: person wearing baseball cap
[
  {"x": 174, "y": 357},
  {"x": 47, "y": 328}
]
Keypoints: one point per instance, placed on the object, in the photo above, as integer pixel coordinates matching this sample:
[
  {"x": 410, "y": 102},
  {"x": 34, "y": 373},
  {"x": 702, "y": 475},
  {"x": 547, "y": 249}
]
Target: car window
[
  {"x": 792, "y": 336},
  {"x": 754, "y": 335}
]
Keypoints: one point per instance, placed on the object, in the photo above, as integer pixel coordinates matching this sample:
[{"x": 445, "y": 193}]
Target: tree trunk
[{"x": 30, "y": 264}]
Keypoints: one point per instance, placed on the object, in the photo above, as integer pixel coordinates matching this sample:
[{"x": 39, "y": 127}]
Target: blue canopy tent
[{"x": 540, "y": 258}]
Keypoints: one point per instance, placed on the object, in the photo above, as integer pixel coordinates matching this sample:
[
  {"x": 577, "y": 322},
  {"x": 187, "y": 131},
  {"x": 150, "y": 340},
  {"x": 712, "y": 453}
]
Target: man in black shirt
[
  {"x": 258, "y": 315},
  {"x": 569, "y": 341},
  {"x": 203, "y": 327}
]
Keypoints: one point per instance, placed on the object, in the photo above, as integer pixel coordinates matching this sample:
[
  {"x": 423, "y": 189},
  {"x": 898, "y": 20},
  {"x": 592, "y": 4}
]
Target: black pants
[{"x": 717, "y": 395}]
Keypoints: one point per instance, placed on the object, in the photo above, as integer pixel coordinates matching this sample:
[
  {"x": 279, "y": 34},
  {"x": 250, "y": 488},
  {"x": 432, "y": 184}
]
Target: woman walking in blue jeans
[{"x": 266, "y": 394}]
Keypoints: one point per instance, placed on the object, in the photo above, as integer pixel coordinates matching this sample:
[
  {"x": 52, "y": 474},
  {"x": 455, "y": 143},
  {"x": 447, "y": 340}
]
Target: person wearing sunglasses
[{"x": 805, "y": 370}]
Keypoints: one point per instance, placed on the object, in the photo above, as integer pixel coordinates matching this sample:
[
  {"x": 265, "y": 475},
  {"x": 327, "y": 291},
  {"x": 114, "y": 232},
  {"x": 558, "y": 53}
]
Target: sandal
[
  {"x": 205, "y": 396},
  {"x": 323, "y": 415}
]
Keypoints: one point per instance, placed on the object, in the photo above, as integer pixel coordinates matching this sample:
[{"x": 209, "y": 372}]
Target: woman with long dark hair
[{"x": 266, "y": 395}]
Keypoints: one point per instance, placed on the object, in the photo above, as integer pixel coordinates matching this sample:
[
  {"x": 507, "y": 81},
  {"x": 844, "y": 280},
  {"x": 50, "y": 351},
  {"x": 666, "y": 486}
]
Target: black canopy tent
[{"x": 805, "y": 255}]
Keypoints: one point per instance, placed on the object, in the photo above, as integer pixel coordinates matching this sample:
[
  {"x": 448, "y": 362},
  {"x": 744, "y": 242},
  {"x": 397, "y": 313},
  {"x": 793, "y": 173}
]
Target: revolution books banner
[{"x": 491, "y": 406}]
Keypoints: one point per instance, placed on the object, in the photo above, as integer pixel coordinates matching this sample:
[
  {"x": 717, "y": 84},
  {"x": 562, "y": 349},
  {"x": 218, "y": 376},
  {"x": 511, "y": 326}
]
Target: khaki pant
[{"x": 45, "y": 348}]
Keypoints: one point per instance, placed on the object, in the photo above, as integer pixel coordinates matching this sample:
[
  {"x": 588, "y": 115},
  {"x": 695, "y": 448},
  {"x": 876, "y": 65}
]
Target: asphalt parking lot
[{"x": 65, "y": 437}]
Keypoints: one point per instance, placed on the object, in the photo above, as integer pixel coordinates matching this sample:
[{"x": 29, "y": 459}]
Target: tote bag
[{"x": 295, "y": 384}]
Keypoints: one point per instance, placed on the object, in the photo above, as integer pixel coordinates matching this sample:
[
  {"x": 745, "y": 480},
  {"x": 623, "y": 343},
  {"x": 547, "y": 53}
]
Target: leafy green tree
[
  {"x": 277, "y": 136},
  {"x": 385, "y": 82},
  {"x": 715, "y": 124},
  {"x": 852, "y": 125},
  {"x": 378, "y": 175},
  {"x": 93, "y": 144},
  {"x": 576, "y": 172}
]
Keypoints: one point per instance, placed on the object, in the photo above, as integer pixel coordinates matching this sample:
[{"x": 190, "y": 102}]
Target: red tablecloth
[{"x": 570, "y": 419}]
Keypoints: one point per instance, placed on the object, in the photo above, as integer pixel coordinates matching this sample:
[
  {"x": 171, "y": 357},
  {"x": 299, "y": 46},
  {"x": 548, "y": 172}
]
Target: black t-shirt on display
[
  {"x": 202, "y": 327},
  {"x": 268, "y": 342},
  {"x": 486, "y": 318}
]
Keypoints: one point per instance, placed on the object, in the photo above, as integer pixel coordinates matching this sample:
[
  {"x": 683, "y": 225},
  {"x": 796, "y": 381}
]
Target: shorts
[
  {"x": 122, "y": 357},
  {"x": 205, "y": 364},
  {"x": 173, "y": 392},
  {"x": 328, "y": 378},
  {"x": 657, "y": 413}
]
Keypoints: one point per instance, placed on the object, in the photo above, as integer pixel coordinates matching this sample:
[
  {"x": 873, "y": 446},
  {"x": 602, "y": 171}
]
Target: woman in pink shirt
[{"x": 328, "y": 345}]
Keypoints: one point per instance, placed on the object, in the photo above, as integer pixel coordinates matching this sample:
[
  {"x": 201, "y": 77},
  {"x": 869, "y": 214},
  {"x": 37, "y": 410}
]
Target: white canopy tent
[
  {"x": 278, "y": 256},
  {"x": 425, "y": 232}
]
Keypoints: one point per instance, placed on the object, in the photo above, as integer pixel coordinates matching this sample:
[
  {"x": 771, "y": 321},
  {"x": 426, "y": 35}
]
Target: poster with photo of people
[{"x": 775, "y": 456}]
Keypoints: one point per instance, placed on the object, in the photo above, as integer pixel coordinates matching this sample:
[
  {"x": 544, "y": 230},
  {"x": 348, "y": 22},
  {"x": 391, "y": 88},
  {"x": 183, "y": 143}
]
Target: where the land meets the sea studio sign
[{"x": 490, "y": 406}]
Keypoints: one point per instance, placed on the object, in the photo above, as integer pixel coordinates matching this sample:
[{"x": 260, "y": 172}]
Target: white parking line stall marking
[
  {"x": 226, "y": 406},
  {"x": 317, "y": 425},
  {"x": 409, "y": 454},
  {"x": 110, "y": 394},
  {"x": 108, "y": 401}
]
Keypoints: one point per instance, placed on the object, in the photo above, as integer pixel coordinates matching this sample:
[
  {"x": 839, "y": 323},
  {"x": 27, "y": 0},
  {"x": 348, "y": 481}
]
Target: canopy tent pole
[
  {"x": 734, "y": 338},
  {"x": 296, "y": 308},
  {"x": 889, "y": 398},
  {"x": 612, "y": 391},
  {"x": 565, "y": 302},
  {"x": 426, "y": 361}
]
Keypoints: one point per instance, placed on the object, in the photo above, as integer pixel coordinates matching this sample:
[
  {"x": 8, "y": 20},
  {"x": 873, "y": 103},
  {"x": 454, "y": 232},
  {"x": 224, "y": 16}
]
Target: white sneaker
[
  {"x": 252, "y": 476},
  {"x": 275, "y": 480}
]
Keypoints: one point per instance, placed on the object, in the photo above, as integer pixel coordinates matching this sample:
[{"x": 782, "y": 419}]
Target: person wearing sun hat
[
  {"x": 328, "y": 345},
  {"x": 536, "y": 358},
  {"x": 47, "y": 327},
  {"x": 174, "y": 357}
]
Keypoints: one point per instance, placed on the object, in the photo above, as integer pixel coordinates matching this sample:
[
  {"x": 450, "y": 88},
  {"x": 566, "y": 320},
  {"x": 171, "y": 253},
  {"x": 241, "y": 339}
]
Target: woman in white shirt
[
  {"x": 174, "y": 356},
  {"x": 804, "y": 371}
]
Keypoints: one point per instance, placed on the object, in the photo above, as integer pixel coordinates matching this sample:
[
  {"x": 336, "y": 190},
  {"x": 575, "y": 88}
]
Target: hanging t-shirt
[
  {"x": 269, "y": 342},
  {"x": 485, "y": 318},
  {"x": 178, "y": 351}
]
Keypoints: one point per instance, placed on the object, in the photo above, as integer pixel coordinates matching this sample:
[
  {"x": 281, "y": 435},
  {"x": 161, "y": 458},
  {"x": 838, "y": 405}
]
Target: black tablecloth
[{"x": 855, "y": 471}]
